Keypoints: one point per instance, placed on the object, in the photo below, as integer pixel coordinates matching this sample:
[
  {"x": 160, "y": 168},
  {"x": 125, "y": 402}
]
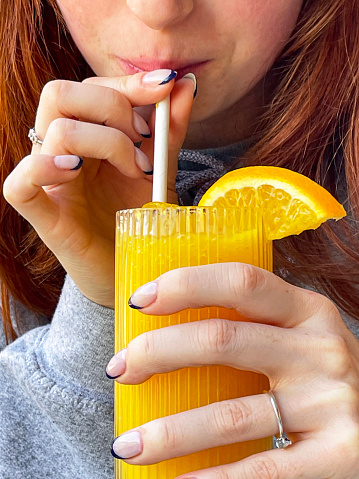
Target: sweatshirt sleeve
[
  {"x": 56, "y": 403},
  {"x": 79, "y": 342}
]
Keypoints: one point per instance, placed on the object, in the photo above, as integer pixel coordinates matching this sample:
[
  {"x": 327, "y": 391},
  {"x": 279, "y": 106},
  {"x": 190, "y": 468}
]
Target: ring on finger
[
  {"x": 35, "y": 140},
  {"x": 282, "y": 441}
]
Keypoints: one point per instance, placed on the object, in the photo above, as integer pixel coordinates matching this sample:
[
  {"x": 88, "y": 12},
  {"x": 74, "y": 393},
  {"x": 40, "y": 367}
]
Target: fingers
[
  {"x": 103, "y": 101},
  {"x": 311, "y": 457},
  {"x": 23, "y": 189},
  {"x": 255, "y": 293},
  {"x": 142, "y": 88},
  {"x": 66, "y": 136},
  {"x": 231, "y": 422},
  {"x": 90, "y": 103},
  {"x": 312, "y": 454},
  {"x": 245, "y": 346},
  {"x": 297, "y": 461},
  {"x": 215, "y": 425},
  {"x": 109, "y": 101}
]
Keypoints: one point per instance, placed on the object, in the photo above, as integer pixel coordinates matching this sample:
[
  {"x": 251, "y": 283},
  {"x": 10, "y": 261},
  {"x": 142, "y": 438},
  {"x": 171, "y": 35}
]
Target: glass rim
[{"x": 192, "y": 207}]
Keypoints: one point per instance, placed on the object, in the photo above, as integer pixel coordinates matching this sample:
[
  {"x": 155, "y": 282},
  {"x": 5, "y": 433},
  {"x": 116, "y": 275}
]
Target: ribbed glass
[{"x": 150, "y": 242}]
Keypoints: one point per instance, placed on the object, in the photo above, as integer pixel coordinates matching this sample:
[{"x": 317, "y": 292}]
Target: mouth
[{"x": 133, "y": 66}]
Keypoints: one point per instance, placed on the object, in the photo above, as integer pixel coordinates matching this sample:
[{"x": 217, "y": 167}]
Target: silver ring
[
  {"x": 35, "y": 140},
  {"x": 282, "y": 441}
]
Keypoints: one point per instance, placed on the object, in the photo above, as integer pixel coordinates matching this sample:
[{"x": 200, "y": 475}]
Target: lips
[{"x": 182, "y": 68}]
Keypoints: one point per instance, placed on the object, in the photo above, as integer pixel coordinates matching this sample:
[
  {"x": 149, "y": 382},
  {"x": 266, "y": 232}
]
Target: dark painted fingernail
[
  {"x": 117, "y": 365},
  {"x": 141, "y": 126},
  {"x": 143, "y": 296},
  {"x": 80, "y": 163},
  {"x": 170, "y": 77},
  {"x": 127, "y": 445},
  {"x": 159, "y": 77},
  {"x": 191, "y": 76},
  {"x": 142, "y": 161},
  {"x": 149, "y": 135},
  {"x": 68, "y": 162},
  {"x": 149, "y": 173}
]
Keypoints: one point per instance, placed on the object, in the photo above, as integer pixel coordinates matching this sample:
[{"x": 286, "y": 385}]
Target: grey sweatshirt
[{"x": 56, "y": 403}]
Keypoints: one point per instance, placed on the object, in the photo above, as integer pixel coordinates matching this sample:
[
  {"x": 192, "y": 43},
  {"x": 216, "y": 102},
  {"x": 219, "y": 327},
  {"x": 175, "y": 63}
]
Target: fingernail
[
  {"x": 191, "y": 76},
  {"x": 68, "y": 162},
  {"x": 143, "y": 162},
  {"x": 117, "y": 365},
  {"x": 159, "y": 77},
  {"x": 144, "y": 296},
  {"x": 141, "y": 126},
  {"x": 127, "y": 445}
]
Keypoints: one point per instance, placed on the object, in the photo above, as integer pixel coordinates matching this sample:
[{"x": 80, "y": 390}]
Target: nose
[{"x": 160, "y": 14}]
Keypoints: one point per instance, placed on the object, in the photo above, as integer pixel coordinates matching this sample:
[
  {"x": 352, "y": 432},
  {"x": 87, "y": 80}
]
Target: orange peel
[{"x": 290, "y": 202}]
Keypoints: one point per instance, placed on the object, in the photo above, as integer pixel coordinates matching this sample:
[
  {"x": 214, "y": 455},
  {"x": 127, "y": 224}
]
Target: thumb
[{"x": 180, "y": 110}]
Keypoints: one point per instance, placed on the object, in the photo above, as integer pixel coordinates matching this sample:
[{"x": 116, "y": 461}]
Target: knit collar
[{"x": 199, "y": 169}]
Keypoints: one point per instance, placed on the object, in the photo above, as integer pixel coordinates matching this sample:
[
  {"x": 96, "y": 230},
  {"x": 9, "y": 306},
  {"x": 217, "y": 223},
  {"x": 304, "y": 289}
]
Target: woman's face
[{"x": 228, "y": 44}]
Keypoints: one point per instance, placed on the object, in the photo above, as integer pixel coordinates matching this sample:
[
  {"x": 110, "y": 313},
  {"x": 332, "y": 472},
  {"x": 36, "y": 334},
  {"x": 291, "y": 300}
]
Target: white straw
[{"x": 160, "y": 163}]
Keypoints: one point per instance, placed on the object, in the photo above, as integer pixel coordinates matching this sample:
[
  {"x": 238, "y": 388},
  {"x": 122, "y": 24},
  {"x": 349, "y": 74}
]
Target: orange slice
[{"x": 291, "y": 202}]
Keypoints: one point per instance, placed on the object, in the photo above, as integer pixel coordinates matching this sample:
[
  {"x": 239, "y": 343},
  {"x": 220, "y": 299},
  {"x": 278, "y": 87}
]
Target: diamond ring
[
  {"x": 35, "y": 140},
  {"x": 282, "y": 441}
]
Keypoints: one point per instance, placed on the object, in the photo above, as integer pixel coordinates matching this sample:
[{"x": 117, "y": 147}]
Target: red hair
[
  {"x": 34, "y": 50},
  {"x": 310, "y": 125}
]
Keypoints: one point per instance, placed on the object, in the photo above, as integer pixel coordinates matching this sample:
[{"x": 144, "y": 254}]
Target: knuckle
[
  {"x": 114, "y": 99},
  {"x": 335, "y": 356},
  {"x": 347, "y": 441},
  {"x": 350, "y": 445},
  {"x": 61, "y": 129},
  {"x": 141, "y": 358},
  {"x": 351, "y": 448},
  {"x": 251, "y": 280},
  {"x": 327, "y": 308},
  {"x": 222, "y": 474},
  {"x": 263, "y": 467},
  {"x": 147, "y": 343},
  {"x": 347, "y": 396},
  {"x": 119, "y": 141},
  {"x": 187, "y": 280},
  {"x": 127, "y": 84},
  {"x": 232, "y": 417},
  {"x": 215, "y": 334},
  {"x": 53, "y": 90},
  {"x": 8, "y": 190},
  {"x": 12, "y": 188},
  {"x": 171, "y": 434}
]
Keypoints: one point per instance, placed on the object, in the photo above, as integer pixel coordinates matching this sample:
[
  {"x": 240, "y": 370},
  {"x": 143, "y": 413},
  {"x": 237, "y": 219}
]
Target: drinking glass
[{"x": 149, "y": 242}]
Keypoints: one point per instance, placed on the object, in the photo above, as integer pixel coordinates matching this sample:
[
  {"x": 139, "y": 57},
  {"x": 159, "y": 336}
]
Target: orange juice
[{"x": 150, "y": 242}]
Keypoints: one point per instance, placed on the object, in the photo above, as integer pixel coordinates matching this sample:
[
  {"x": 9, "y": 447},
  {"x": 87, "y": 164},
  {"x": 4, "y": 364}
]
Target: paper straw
[{"x": 160, "y": 163}]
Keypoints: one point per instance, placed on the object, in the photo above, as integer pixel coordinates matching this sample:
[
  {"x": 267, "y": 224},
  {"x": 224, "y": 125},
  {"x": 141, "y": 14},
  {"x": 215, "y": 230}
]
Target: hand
[
  {"x": 297, "y": 338},
  {"x": 73, "y": 208}
]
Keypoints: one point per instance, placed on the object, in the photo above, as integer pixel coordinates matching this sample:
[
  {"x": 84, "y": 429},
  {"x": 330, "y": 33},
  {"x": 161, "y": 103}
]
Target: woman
[{"x": 277, "y": 84}]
